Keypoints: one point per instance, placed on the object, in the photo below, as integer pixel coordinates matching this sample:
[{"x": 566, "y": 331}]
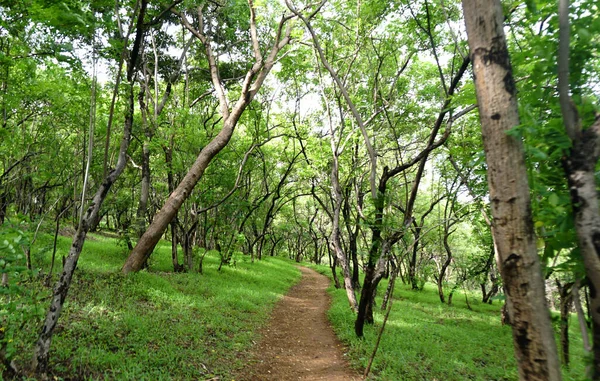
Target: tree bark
[
  {"x": 336, "y": 244},
  {"x": 440, "y": 282},
  {"x": 333, "y": 266},
  {"x": 566, "y": 303},
  {"x": 388, "y": 291},
  {"x": 533, "y": 337},
  {"x": 352, "y": 235}
]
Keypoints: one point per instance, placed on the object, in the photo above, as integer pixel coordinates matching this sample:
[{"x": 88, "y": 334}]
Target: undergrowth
[
  {"x": 155, "y": 325},
  {"x": 427, "y": 340}
]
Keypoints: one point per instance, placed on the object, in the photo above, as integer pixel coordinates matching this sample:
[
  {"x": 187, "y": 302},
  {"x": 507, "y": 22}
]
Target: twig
[{"x": 385, "y": 319}]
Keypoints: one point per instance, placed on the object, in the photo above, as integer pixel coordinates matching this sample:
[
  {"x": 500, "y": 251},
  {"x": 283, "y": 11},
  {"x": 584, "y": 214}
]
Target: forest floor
[{"x": 299, "y": 343}]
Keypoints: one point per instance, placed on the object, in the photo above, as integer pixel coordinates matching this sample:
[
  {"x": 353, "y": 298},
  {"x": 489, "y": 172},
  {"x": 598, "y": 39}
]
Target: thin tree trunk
[
  {"x": 333, "y": 266},
  {"x": 336, "y": 244},
  {"x": 566, "y": 303},
  {"x": 533, "y": 337},
  {"x": 580, "y": 166},
  {"x": 42, "y": 348},
  {"x": 352, "y": 236},
  {"x": 580, "y": 170},
  {"x": 142, "y": 209},
  {"x": 440, "y": 282},
  {"x": 388, "y": 292},
  {"x": 412, "y": 268},
  {"x": 581, "y": 317},
  {"x": 365, "y": 307}
]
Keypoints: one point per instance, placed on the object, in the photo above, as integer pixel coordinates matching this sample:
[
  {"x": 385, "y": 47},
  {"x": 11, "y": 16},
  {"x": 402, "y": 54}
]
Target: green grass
[
  {"x": 425, "y": 340},
  {"x": 156, "y": 325}
]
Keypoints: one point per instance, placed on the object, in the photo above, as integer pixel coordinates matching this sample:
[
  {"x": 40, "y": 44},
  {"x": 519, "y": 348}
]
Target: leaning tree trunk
[
  {"x": 150, "y": 238},
  {"x": 42, "y": 349},
  {"x": 533, "y": 337}
]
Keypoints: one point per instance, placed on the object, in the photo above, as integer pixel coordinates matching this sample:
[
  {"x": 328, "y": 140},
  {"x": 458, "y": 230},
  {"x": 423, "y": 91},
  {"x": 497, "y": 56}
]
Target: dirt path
[{"x": 298, "y": 343}]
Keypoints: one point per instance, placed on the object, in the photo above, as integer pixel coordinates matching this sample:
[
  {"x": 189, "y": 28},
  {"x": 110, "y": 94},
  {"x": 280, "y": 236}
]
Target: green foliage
[{"x": 21, "y": 304}]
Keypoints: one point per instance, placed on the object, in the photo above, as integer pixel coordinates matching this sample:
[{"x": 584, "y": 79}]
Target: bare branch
[
  {"x": 253, "y": 34},
  {"x": 212, "y": 62}
]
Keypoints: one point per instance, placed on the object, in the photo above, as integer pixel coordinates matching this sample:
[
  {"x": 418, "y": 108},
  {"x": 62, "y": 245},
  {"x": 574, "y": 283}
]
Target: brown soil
[{"x": 298, "y": 343}]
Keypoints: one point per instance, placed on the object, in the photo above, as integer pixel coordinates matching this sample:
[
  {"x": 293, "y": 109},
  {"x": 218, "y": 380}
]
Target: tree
[
  {"x": 253, "y": 80},
  {"x": 580, "y": 168},
  {"x": 534, "y": 343}
]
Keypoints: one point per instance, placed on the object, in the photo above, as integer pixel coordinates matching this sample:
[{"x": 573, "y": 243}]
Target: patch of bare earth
[{"x": 299, "y": 343}]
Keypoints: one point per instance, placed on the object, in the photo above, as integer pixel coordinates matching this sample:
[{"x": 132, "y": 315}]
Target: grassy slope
[
  {"x": 158, "y": 325},
  {"x": 425, "y": 340}
]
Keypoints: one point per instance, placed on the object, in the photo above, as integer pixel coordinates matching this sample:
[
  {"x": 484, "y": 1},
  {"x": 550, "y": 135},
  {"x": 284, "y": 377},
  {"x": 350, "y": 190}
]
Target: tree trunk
[
  {"x": 150, "y": 238},
  {"x": 365, "y": 307},
  {"x": 352, "y": 236},
  {"x": 171, "y": 185},
  {"x": 333, "y": 266},
  {"x": 533, "y": 337},
  {"x": 176, "y": 266},
  {"x": 412, "y": 265},
  {"x": 566, "y": 303},
  {"x": 393, "y": 275},
  {"x": 580, "y": 169},
  {"x": 42, "y": 348},
  {"x": 580, "y": 164},
  {"x": 145, "y": 190},
  {"x": 3, "y": 204}
]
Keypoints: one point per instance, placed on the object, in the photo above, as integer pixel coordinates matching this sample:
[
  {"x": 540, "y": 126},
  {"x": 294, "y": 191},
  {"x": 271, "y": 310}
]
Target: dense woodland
[{"x": 423, "y": 144}]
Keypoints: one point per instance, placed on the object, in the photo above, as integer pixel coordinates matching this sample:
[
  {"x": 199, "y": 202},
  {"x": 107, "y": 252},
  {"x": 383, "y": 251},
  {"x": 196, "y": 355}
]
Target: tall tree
[
  {"x": 534, "y": 342},
  {"x": 580, "y": 168}
]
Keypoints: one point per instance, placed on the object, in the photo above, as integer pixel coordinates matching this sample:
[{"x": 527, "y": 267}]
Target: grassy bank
[
  {"x": 156, "y": 325},
  {"x": 425, "y": 340}
]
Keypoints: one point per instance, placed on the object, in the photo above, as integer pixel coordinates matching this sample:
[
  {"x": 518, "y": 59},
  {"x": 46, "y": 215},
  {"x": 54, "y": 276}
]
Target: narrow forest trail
[{"x": 298, "y": 343}]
